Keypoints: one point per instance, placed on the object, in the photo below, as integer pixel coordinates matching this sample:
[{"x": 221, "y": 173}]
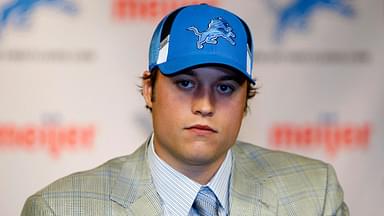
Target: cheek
[
  {"x": 232, "y": 113},
  {"x": 169, "y": 103},
  {"x": 235, "y": 105}
]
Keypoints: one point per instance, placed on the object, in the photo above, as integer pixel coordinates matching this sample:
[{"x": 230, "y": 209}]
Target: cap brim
[{"x": 176, "y": 65}]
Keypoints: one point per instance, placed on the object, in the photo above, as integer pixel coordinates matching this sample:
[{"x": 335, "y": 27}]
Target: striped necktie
[{"x": 206, "y": 203}]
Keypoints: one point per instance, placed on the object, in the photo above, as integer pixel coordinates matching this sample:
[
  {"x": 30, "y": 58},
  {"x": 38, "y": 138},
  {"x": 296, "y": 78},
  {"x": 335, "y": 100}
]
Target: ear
[{"x": 147, "y": 89}]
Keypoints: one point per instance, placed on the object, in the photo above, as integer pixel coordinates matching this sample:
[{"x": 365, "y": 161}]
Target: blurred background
[{"x": 69, "y": 76}]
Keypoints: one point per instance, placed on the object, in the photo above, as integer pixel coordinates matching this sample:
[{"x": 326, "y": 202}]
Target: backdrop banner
[{"x": 70, "y": 70}]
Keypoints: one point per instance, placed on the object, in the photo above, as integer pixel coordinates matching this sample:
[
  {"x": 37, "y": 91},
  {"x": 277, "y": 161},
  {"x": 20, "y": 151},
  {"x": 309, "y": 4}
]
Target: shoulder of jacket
[
  {"x": 105, "y": 174},
  {"x": 277, "y": 160}
]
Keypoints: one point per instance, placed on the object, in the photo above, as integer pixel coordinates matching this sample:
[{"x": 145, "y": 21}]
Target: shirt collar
[{"x": 178, "y": 192}]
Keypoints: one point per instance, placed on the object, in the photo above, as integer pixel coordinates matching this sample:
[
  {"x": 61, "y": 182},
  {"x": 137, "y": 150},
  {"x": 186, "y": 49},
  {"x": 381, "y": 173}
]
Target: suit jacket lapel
[
  {"x": 250, "y": 193},
  {"x": 134, "y": 191}
]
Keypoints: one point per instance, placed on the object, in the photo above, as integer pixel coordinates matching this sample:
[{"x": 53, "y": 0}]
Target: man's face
[{"x": 196, "y": 115}]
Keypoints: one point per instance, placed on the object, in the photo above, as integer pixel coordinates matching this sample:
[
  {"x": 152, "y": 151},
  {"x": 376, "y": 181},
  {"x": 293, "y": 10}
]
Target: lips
[{"x": 204, "y": 129}]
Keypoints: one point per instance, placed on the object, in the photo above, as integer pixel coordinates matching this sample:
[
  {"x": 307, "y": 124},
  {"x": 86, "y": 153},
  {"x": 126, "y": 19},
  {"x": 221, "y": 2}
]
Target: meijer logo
[
  {"x": 53, "y": 138},
  {"x": 149, "y": 10},
  {"x": 332, "y": 137}
]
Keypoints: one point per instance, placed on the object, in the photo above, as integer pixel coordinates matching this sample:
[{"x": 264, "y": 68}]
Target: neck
[
  {"x": 197, "y": 167},
  {"x": 201, "y": 174}
]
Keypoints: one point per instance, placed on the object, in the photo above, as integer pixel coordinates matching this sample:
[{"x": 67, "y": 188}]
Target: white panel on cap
[{"x": 163, "y": 52}]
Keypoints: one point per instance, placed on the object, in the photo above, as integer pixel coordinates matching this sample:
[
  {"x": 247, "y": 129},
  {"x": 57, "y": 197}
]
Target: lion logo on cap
[{"x": 218, "y": 27}]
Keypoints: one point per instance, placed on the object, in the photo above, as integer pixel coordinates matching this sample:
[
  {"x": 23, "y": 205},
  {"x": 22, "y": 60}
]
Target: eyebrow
[{"x": 239, "y": 79}]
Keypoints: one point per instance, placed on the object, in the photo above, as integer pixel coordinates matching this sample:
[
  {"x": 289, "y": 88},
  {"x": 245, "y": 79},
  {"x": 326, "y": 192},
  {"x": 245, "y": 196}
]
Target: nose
[{"x": 203, "y": 103}]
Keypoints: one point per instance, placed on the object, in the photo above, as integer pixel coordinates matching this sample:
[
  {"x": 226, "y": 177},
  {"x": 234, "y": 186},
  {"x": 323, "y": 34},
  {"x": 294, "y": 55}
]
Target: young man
[{"x": 197, "y": 87}]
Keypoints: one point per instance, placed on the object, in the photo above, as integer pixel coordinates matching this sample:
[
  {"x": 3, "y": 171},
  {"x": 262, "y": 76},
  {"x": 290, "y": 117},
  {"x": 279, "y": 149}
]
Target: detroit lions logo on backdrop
[
  {"x": 18, "y": 11},
  {"x": 296, "y": 13},
  {"x": 217, "y": 28}
]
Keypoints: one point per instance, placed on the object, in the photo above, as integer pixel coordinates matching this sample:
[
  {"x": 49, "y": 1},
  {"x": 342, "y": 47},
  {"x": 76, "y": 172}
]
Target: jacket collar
[{"x": 133, "y": 189}]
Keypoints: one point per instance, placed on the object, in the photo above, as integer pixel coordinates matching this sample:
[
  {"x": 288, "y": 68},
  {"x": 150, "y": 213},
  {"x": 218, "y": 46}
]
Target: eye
[
  {"x": 224, "y": 88},
  {"x": 185, "y": 84}
]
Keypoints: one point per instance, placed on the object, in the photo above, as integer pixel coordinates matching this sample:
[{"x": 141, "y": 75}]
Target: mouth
[{"x": 201, "y": 129}]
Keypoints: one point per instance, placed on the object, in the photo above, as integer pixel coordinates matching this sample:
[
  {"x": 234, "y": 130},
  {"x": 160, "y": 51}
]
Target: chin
[{"x": 201, "y": 159}]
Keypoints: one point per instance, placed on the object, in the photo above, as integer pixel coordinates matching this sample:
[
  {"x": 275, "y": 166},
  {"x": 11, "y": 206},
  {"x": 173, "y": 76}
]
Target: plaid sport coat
[{"x": 263, "y": 183}]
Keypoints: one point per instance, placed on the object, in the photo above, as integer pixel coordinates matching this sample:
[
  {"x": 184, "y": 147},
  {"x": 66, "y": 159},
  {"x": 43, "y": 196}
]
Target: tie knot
[{"x": 206, "y": 203}]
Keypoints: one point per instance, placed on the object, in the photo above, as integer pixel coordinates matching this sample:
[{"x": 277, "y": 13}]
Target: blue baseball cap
[{"x": 198, "y": 35}]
